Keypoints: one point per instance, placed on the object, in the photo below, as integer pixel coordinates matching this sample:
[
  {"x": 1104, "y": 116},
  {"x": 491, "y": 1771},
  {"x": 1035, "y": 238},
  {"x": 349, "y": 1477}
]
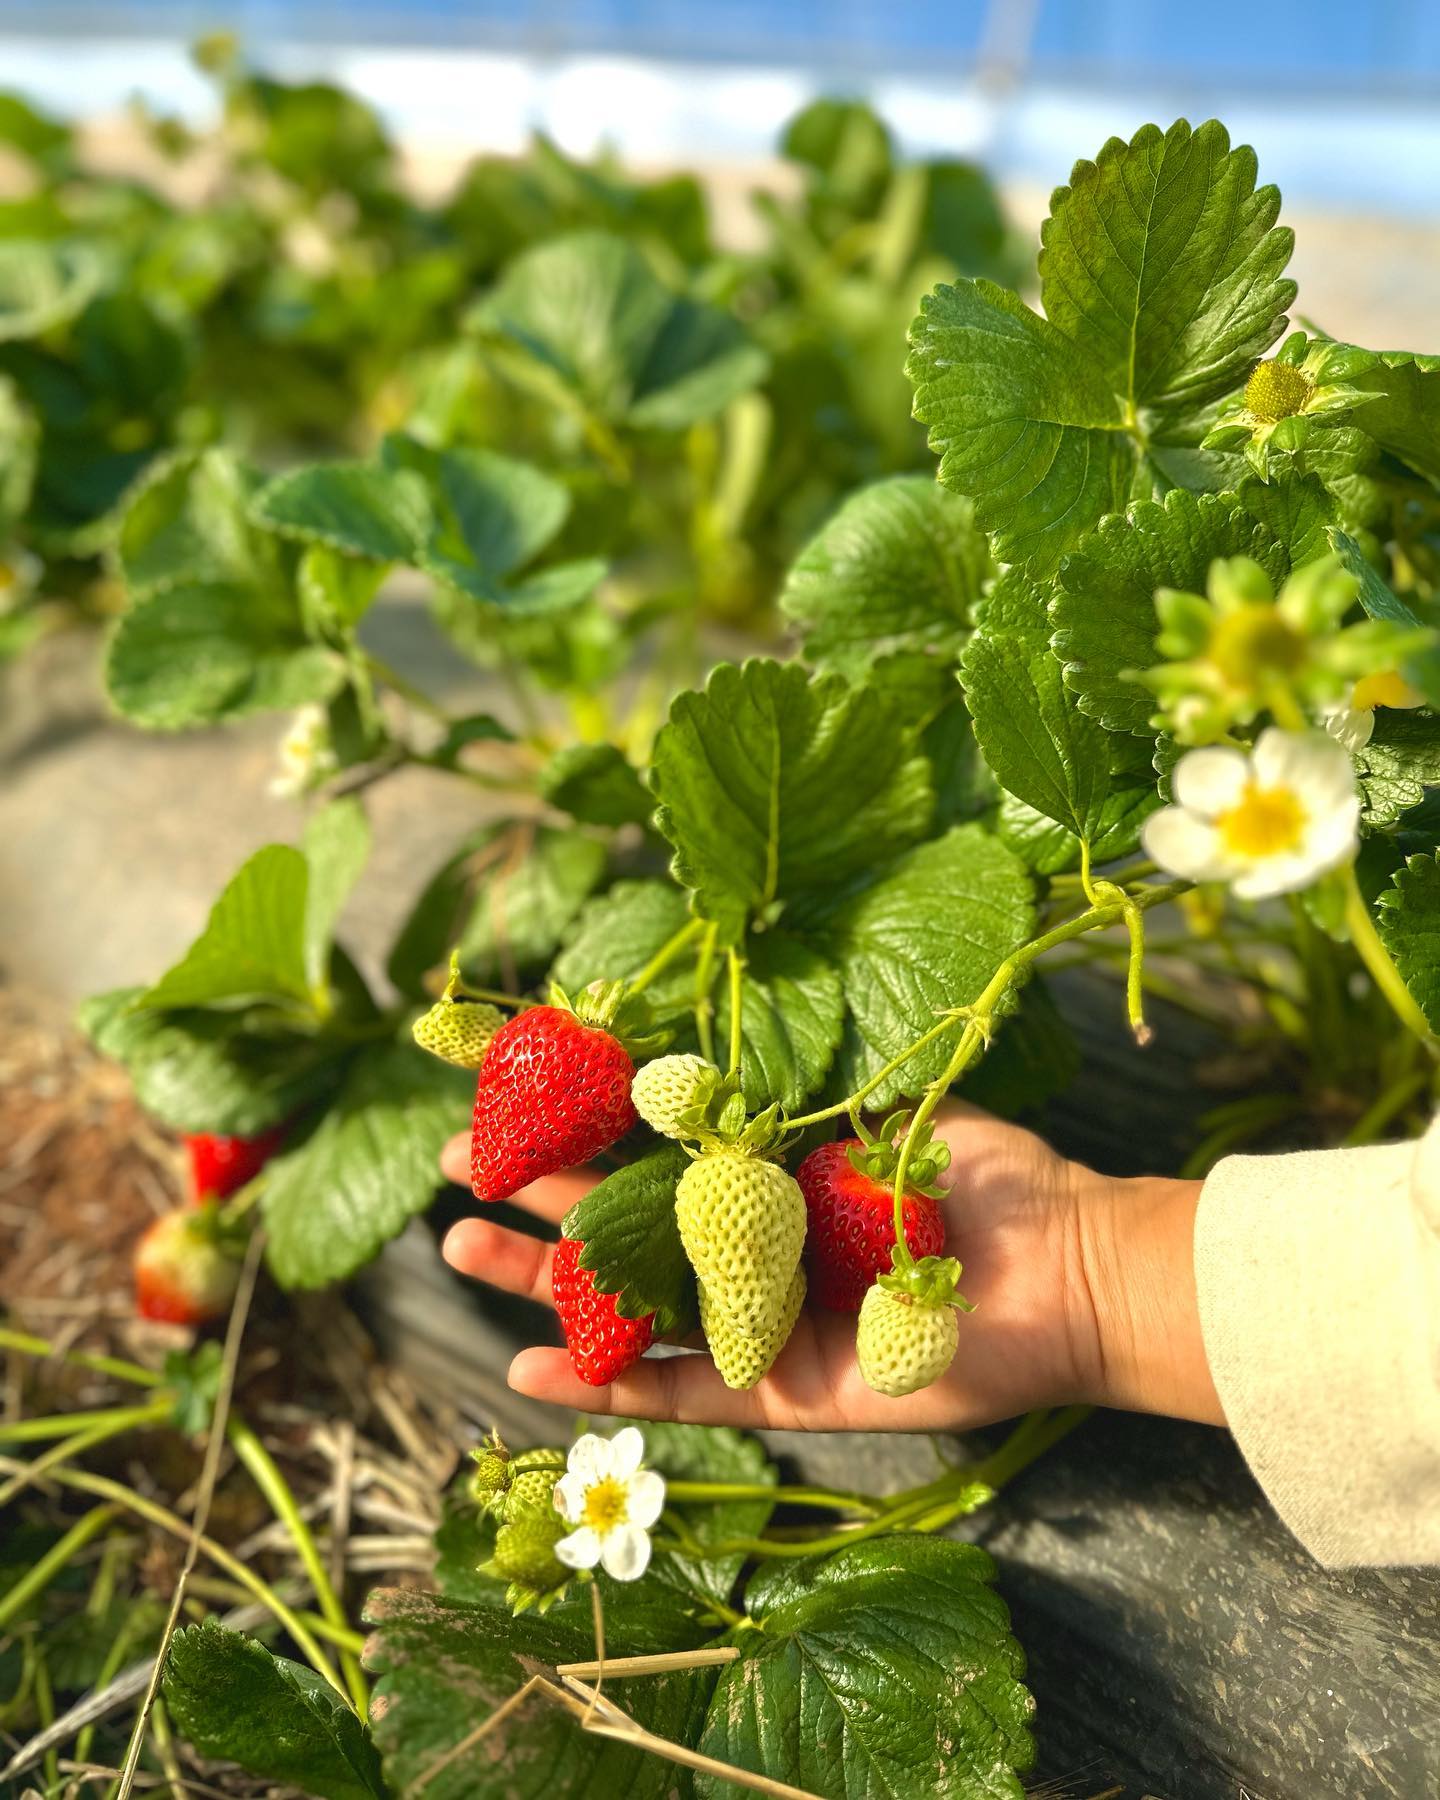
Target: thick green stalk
[
  {"x": 273, "y": 1485},
  {"x": 666, "y": 954},
  {"x": 722, "y": 1492},
  {"x": 119, "y": 1421},
  {"x": 1377, "y": 960},
  {"x": 80, "y": 1359}
]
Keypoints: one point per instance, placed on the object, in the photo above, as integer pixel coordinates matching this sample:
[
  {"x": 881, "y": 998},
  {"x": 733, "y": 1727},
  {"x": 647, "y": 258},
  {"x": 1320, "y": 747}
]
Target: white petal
[
  {"x": 581, "y": 1550},
  {"x": 1332, "y": 840},
  {"x": 1182, "y": 843},
  {"x": 1211, "y": 780},
  {"x": 625, "y": 1553},
  {"x": 1271, "y": 876},
  {"x": 646, "y": 1499},
  {"x": 1326, "y": 781},
  {"x": 1297, "y": 759},
  {"x": 589, "y": 1457},
  {"x": 1350, "y": 727},
  {"x": 570, "y": 1497},
  {"x": 627, "y": 1452}
]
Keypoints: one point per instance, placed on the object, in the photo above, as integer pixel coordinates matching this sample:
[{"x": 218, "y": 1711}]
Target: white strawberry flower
[
  {"x": 306, "y": 754},
  {"x": 1267, "y": 821},
  {"x": 612, "y": 1501},
  {"x": 1353, "y": 723}
]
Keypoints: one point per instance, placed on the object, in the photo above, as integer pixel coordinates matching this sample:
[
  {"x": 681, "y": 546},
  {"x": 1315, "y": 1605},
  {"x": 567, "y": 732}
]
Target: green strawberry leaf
[
  {"x": 187, "y": 521},
  {"x": 369, "y": 1164},
  {"x": 1399, "y": 763},
  {"x": 712, "y": 1453},
  {"x": 444, "y": 1664},
  {"x": 490, "y": 511},
  {"x": 596, "y": 784},
  {"x": 838, "y": 1693},
  {"x": 1404, "y": 418},
  {"x": 900, "y": 565},
  {"x": 1050, "y": 849},
  {"x": 234, "y": 1701},
  {"x": 773, "y": 785},
  {"x": 1161, "y": 282},
  {"x": 1023, "y": 426},
  {"x": 43, "y": 285},
  {"x": 359, "y": 508},
  {"x": 792, "y": 1012},
  {"x": 632, "y": 1242},
  {"x": 524, "y": 902},
  {"x": 19, "y": 453},
  {"x": 1380, "y": 601},
  {"x": 1038, "y": 744},
  {"x": 585, "y": 320},
  {"x": 202, "y": 1070},
  {"x": 1296, "y": 511},
  {"x": 1103, "y": 608},
  {"x": 926, "y": 935},
  {"x": 1408, "y": 916},
  {"x": 617, "y": 933},
  {"x": 337, "y": 847},
  {"x": 194, "y": 653},
  {"x": 1162, "y": 263},
  {"x": 253, "y": 946}
]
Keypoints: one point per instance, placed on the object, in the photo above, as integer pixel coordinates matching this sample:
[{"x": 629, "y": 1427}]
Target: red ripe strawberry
[
  {"x": 181, "y": 1273},
  {"x": 552, "y": 1092},
  {"x": 602, "y": 1345},
  {"x": 221, "y": 1165},
  {"x": 850, "y": 1229}
]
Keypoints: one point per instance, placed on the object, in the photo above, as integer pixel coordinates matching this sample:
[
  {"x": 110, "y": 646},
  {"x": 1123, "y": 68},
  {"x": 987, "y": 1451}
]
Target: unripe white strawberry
[
  {"x": 904, "y": 1343},
  {"x": 742, "y": 1222},
  {"x": 742, "y": 1360},
  {"x": 458, "y": 1031},
  {"x": 666, "y": 1089}
]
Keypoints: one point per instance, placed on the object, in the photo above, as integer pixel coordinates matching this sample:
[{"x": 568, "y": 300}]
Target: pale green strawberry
[
  {"x": 743, "y": 1360},
  {"x": 525, "y": 1557},
  {"x": 742, "y": 1222},
  {"x": 671, "y": 1086},
  {"x": 904, "y": 1343},
  {"x": 531, "y": 1491},
  {"x": 458, "y": 1031}
]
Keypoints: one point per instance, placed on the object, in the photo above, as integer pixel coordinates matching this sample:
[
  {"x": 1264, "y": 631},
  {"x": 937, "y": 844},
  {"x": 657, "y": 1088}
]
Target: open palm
[{"x": 1015, "y": 1215}]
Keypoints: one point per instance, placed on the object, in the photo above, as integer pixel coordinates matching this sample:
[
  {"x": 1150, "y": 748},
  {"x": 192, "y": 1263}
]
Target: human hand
[{"x": 1083, "y": 1287}]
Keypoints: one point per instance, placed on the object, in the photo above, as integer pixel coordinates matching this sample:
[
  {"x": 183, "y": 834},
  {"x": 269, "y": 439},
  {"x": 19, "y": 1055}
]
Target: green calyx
[
  {"x": 878, "y": 1156},
  {"x": 609, "y": 1006},
  {"x": 933, "y": 1281},
  {"x": 720, "y": 1124}
]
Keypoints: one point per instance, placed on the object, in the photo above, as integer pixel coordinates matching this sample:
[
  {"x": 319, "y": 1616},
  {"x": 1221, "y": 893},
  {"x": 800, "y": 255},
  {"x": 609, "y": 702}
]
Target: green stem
[
  {"x": 1387, "y": 1106},
  {"x": 1096, "y": 918},
  {"x": 37, "y": 1431},
  {"x": 737, "y": 971},
  {"x": 722, "y": 1492},
  {"x": 277, "y": 1491},
  {"x": 666, "y": 954},
  {"x": 1377, "y": 960},
  {"x": 414, "y": 696},
  {"x": 80, "y": 1359},
  {"x": 105, "y": 1489},
  {"x": 704, "y": 1005},
  {"x": 40, "y": 1574},
  {"x": 121, "y": 1420}
]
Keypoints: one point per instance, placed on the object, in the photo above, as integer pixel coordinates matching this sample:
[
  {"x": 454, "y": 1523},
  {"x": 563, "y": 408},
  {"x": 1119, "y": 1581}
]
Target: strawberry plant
[{"x": 1148, "y": 676}]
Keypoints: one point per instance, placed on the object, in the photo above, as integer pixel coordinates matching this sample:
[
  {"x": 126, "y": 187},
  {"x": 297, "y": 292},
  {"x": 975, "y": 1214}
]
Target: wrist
[{"x": 1136, "y": 1245}]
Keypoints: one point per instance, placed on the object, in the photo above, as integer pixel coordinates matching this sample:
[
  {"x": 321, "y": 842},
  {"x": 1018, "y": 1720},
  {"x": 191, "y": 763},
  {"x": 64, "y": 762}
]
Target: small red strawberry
[
  {"x": 602, "y": 1345},
  {"x": 182, "y": 1275},
  {"x": 553, "y": 1091},
  {"x": 851, "y": 1215},
  {"x": 221, "y": 1165}
]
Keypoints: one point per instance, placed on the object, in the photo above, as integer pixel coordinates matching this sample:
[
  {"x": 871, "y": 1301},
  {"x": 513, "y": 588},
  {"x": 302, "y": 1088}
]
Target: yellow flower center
[
  {"x": 605, "y": 1505},
  {"x": 1265, "y": 822},
  {"x": 1388, "y": 689},
  {"x": 1276, "y": 390},
  {"x": 1255, "y": 642}
]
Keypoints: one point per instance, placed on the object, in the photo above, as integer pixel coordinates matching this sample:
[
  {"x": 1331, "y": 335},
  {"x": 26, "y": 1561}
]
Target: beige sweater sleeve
[{"x": 1319, "y": 1286}]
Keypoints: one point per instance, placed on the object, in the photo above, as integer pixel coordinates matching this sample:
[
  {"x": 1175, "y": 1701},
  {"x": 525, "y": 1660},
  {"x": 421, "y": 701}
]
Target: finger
[
  {"x": 686, "y": 1387},
  {"x": 505, "y": 1259},
  {"x": 455, "y": 1159}
]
